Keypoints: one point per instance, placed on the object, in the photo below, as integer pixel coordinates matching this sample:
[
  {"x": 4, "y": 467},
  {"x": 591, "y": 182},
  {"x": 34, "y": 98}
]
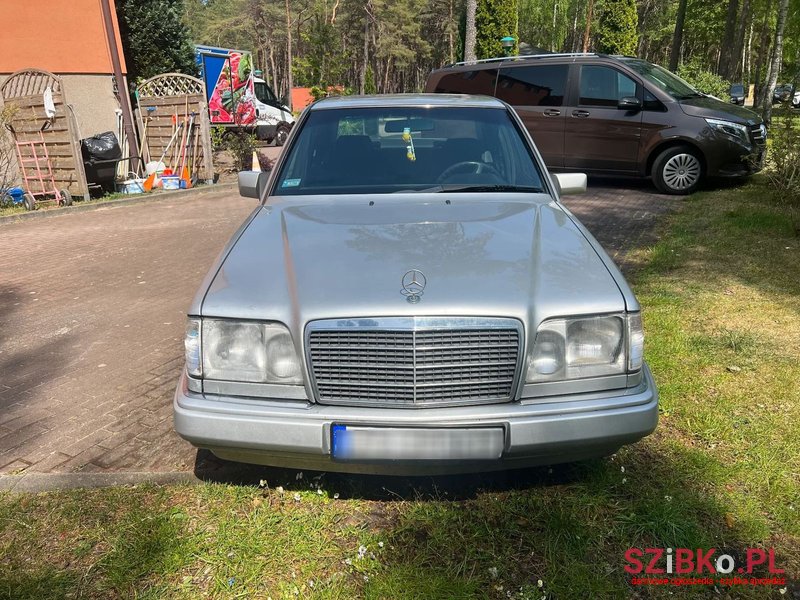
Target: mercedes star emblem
[{"x": 413, "y": 285}]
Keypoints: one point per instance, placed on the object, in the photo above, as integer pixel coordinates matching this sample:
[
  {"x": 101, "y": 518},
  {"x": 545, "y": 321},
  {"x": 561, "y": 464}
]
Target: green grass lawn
[{"x": 721, "y": 295}]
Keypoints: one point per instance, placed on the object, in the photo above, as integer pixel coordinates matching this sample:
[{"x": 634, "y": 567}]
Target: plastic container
[
  {"x": 131, "y": 186},
  {"x": 171, "y": 182}
]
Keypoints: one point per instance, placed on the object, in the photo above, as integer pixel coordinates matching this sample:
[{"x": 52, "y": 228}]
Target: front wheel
[
  {"x": 281, "y": 135},
  {"x": 677, "y": 171},
  {"x": 29, "y": 201}
]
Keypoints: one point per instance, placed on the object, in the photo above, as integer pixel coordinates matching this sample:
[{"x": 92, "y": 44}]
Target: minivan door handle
[
  {"x": 551, "y": 112},
  {"x": 581, "y": 114}
]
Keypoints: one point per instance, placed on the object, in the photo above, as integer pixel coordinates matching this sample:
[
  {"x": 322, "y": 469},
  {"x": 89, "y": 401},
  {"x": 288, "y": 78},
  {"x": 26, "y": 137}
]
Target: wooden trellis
[
  {"x": 163, "y": 98},
  {"x": 25, "y": 90}
]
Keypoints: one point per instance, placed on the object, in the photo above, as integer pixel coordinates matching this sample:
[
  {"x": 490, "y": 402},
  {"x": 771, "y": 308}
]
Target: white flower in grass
[
  {"x": 362, "y": 551},
  {"x": 297, "y": 497},
  {"x": 279, "y": 489},
  {"x": 622, "y": 469},
  {"x": 380, "y": 544},
  {"x": 366, "y": 577},
  {"x": 540, "y": 583},
  {"x": 668, "y": 498},
  {"x": 493, "y": 572},
  {"x": 319, "y": 491},
  {"x": 348, "y": 561},
  {"x": 311, "y": 583},
  {"x": 624, "y": 480}
]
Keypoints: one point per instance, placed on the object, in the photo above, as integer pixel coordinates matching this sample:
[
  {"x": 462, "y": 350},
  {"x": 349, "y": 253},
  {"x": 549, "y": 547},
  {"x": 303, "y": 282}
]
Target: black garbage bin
[{"x": 101, "y": 154}]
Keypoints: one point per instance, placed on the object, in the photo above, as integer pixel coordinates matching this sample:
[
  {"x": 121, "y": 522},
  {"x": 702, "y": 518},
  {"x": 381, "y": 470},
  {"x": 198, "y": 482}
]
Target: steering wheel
[{"x": 471, "y": 167}]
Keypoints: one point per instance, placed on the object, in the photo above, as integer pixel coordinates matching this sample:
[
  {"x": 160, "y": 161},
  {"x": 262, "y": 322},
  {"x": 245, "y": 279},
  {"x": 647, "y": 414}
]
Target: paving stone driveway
[{"x": 92, "y": 309}]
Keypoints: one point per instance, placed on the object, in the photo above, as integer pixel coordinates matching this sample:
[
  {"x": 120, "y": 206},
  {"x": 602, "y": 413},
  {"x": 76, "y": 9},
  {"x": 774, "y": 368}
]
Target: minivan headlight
[
  {"x": 243, "y": 351},
  {"x": 735, "y": 131},
  {"x": 581, "y": 347}
]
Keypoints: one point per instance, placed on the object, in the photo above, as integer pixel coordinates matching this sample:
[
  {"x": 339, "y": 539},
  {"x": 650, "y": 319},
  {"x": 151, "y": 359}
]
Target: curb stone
[
  {"x": 136, "y": 199},
  {"x": 47, "y": 482}
]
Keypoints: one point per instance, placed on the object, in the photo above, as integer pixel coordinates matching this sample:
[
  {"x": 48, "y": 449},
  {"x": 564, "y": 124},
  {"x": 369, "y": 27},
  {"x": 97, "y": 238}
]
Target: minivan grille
[
  {"x": 758, "y": 134},
  {"x": 403, "y": 363}
]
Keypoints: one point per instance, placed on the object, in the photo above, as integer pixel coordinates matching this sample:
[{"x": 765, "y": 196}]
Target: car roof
[{"x": 408, "y": 100}]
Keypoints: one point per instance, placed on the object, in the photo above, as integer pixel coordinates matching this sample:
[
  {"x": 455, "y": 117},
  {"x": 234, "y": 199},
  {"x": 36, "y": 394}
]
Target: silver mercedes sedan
[{"x": 409, "y": 296}]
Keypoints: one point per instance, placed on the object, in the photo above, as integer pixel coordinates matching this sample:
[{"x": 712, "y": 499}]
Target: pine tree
[
  {"x": 616, "y": 32},
  {"x": 154, "y": 38},
  {"x": 495, "y": 19}
]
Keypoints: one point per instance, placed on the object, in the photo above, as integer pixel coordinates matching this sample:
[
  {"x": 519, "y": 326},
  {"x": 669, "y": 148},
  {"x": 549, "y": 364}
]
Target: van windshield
[{"x": 663, "y": 79}]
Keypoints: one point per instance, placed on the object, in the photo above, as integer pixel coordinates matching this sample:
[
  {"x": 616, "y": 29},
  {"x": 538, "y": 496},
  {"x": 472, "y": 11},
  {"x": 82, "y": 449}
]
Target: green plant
[
  {"x": 7, "y": 155},
  {"x": 704, "y": 81},
  {"x": 783, "y": 160},
  {"x": 241, "y": 143},
  {"x": 617, "y": 22},
  {"x": 495, "y": 19}
]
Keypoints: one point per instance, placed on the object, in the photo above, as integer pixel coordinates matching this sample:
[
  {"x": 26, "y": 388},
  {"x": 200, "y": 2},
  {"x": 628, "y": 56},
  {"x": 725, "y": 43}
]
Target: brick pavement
[{"x": 92, "y": 309}]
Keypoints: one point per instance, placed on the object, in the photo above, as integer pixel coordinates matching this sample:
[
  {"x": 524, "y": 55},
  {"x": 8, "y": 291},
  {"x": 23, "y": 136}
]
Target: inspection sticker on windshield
[{"x": 290, "y": 183}]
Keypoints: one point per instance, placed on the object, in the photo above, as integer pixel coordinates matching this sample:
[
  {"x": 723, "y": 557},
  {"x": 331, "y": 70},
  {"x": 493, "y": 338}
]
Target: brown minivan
[{"x": 617, "y": 115}]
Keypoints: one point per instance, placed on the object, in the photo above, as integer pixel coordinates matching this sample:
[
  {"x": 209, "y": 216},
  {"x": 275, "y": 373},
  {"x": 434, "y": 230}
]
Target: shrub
[
  {"x": 239, "y": 142},
  {"x": 8, "y": 159},
  {"x": 783, "y": 160},
  {"x": 705, "y": 81}
]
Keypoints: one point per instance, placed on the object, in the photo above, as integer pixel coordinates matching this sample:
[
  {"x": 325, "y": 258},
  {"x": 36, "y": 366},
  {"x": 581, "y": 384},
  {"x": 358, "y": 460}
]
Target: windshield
[
  {"x": 663, "y": 79},
  {"x": 415, "y": 149}
]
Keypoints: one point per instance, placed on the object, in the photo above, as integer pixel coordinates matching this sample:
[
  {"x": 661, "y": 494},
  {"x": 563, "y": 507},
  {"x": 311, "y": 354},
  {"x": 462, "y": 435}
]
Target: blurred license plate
[{"x": 399, "y": 443}]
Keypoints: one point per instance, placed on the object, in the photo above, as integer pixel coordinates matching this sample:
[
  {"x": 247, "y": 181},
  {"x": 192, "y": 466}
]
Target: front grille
[
  {"x": 414, "y": 362},
  {"x": 758, "y": 135}
]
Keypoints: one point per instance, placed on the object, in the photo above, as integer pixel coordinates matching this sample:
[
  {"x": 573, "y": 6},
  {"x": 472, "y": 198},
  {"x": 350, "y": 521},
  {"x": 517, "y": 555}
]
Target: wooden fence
[{"x": 25, "y": 91}]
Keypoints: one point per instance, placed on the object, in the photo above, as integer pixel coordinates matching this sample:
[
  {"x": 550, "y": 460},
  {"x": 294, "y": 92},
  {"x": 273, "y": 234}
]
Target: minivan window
[
  {"x": 542, "y": 85},
  {"x": 480, "y": 81},
  {"x": 662, "y": 79},
  {"x": 604, "y": 86}
]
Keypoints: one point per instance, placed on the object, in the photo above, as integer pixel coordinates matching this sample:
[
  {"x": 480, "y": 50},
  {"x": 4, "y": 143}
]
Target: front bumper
[{"x": 298, "y": 434}]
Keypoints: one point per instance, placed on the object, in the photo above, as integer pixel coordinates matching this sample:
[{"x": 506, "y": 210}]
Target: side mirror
[
  {"x": 252, "y": 183},
  {"x": 629, "y": 103},
  {"x": 570, "y": 183}
]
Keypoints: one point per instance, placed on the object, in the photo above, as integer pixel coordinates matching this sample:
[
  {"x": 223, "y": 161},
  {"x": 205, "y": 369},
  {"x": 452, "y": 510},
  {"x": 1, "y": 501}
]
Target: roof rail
[{"x": 524, "y": 57}]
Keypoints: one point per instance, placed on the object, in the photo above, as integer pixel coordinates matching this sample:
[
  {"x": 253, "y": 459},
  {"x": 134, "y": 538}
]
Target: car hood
[
  {"x": 716, "y": 109},
  {"x": 302, "y": 259}
]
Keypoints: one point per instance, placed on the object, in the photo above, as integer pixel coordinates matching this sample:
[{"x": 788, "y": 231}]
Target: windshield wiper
[{"x": 487, "y": 188}]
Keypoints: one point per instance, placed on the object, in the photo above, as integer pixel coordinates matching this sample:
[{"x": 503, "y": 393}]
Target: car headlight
[
  {"x": 581, "y": 347},
  {"x": 243, "y": 351},
  {"x": 735, "y": 131}
]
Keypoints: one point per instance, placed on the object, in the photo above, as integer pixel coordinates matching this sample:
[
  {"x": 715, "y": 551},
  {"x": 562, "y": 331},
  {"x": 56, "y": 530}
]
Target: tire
[
  {"x": 677, "y": 171},
  {"x": 66, "y": 198},
  {"x": 281, "y": 135},
  {"x": 29, "y": 201}
]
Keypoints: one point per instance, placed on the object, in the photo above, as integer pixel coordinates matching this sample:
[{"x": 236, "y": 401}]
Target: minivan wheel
[{"x": 677, "y": 171}]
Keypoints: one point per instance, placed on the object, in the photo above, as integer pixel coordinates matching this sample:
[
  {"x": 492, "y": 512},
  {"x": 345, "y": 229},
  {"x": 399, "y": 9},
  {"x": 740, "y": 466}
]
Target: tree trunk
[
  {"x": 776, "y": 60},
  {"x": 450, "y": 34},
  {"x": 677, "y": 37},
  {"x": 470, "y": 34},
  {"x": 736, "y": 68},
  {"x": 289, "y": 82},
  {"x": 727, "y": 59},
  {"x": 362, "y": 76},
  {"x": 587, "y": 32},
  {"x": 763, "y": 57}
]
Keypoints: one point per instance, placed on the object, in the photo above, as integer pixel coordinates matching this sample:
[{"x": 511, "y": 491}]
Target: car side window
[
  {"x": 479, "y": 81},
  {"x": 541, "y": 85},
  {"x": 604, "y": 86}
]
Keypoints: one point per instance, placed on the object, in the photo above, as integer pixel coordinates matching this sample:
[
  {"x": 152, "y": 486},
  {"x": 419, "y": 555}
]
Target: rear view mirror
[
  {"x": 252, "y": 183},
  {"x": 415, "y": 124},
  {"x": 629, "y": 103},
  {"x": 570, "y": 183}
]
